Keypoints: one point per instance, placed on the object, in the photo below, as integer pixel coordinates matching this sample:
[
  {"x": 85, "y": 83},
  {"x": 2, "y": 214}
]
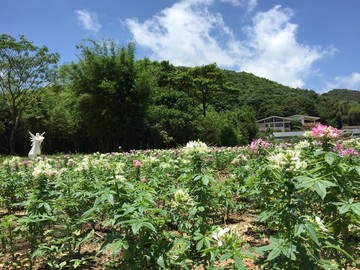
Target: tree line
[{"x": 108, "y": 100}]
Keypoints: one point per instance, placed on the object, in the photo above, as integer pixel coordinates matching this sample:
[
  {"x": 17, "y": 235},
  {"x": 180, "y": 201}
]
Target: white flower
[
  {"x": 218, "y": 235},
  {"x": 120, "y": 177},
  {"x": 181, "y": 196},
  {"x": 44, "y": 168},
  {"x": 195, "y": 146},
  {"x": 278, "y": 160},
  {"x": 302, "y": 144},
  {"x": 165, "y": 165},
  {"x": 320, "y": 223}
]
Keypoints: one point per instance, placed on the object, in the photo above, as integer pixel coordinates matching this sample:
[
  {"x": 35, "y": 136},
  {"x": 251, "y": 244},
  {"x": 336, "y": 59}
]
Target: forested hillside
[
  {"x": 344, "y": 94},
  {"x": 108, "y": 99}
]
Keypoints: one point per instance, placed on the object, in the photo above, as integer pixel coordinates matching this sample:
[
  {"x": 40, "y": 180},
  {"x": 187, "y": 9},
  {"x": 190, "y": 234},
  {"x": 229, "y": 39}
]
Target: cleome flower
[
  {"x": 345, "y": 152},
  {"x": 302, "y": 144},
  {"x": 44, "y": 168},
  {"x": 218, "y": 236},
  {"x": 322, "y": 131},
  {"x": 181, "y": 196},
  {"x": 278, "y": 160},
  {"x": 290, "y": 160},
  {"x": 258, "y": 144},
  {"x": 195, "y": 147},
  {"x": 349, "y": 152},
  {"x": 320, "y": 224},
  {"x": 137, "y": 163}
]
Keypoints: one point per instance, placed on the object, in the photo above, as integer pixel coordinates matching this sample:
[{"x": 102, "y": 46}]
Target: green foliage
[
  {"x": 107, "y": 80},
  {"x": 311, "y": 204},
  {"x": 171, "y": 209},
  {"x": 24, "y": 69},
  {"x": 344, "y": 94}
]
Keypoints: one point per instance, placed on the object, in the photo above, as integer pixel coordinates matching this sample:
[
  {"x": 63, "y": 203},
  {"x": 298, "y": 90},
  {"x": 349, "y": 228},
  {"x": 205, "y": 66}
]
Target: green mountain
[
  {"x": 344, "y": 94},
  {"x": 266, "y": 98}
]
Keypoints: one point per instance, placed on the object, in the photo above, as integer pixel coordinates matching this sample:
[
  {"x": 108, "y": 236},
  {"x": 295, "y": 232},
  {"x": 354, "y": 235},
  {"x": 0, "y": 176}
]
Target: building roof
[
  {"x": 288, "y": 134},
  {"x": 284, "y": 118},
  {"x": 292, "y": 117},
  {"x": 307, "y": 117}
]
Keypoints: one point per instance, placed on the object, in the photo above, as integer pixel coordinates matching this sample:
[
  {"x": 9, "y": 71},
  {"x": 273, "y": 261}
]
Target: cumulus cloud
[
  {"x": 274, "y": 51},
  {"x": 88, "y": 20},
  {"x": 184, "y": 35},
  {"x": 351, "y": 81},
  {"x": 188, "y": 34},
  {"x": 249, "y": 4}
]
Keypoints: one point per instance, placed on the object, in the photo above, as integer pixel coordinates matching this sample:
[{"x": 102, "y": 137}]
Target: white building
[{"x": 282, "y": 124}]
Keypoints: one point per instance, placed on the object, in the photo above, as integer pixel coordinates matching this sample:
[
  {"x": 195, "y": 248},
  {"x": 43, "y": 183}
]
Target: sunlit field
[{"x": 269, "y": 205}]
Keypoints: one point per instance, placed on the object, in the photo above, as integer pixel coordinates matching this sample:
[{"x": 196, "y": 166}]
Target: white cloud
[
  {"x": 249, "y": 4},
  {"x": 187, "y": 34},
  {"x": 88, "y": 20},
  {"x": 275, "y": 52},
  {"x": 351, "y": 82},
  {"x": 182, "y": 34}
]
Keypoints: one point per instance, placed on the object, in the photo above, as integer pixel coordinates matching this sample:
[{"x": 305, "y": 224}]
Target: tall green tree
[
  {"x": 207, "y": 80},
  {"x": 112, "y": 95},
  {"x": 24, "y": 68}
]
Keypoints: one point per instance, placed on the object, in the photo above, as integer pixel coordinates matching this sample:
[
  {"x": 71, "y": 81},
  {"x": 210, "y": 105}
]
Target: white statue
[{"x": 36, "y": 141}]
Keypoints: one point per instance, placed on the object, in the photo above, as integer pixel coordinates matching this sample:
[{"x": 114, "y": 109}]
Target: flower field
[{"x": 185, "y": 208}]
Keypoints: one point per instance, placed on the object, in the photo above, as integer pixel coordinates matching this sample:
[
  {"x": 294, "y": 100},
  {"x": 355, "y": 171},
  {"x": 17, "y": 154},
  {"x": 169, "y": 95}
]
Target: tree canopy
[{"x": 24, "y": 67}]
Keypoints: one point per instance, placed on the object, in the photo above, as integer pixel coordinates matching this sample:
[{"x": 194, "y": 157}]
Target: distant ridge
[{"x": 344, "y": 94}]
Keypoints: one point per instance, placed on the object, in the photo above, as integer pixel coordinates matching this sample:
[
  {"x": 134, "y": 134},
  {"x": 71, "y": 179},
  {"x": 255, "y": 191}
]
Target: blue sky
[{"x": 310, "y": 44}]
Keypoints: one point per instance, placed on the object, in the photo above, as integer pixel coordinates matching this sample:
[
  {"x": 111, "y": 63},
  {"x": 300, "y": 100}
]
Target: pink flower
[
  {"x": 258, "y": 144},
  {"x": 137, "y": 163},
  {"x": 143, "y": 180},
  {"x": 338, "y": 147},
  {"x": 333, "y": 132},
  {"x": 210, "y": 159},
  {"x": 321, "y": 131},
  {"x": 348, "y": 152},
  {"x": 318, "y": 131}
]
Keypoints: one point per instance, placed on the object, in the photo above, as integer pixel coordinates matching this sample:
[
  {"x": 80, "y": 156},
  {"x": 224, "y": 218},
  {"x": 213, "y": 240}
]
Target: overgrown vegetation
[{"x": 172, "y": 209}]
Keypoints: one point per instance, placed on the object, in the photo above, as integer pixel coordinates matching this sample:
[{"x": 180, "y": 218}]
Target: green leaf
[
  {"x": 357, "y": 168},
  {"x": 304, "y": 182},
  {"x": 299, "y": 229},
  {"x": 110, "y": 198},
  {"x": 128, "y": 209},
  {"x": 344, "y": 208},
  {"x": 160, "y": 261},
  {"x": 200, "y": 244},
  {"x": 238, "y": 263},
  {"x": 356, "y": 208},
  {"x": 315, "y": 184},
  {"x": 149, "y": 226},
  {"x": 274, "y": 253},
  {"x": 116, "y": 247},
  {"x": 328, "y": 264},
  {"x": 207, "y": 242},
  {"x": 320, "y": 189},
  {"x": 311, "y": 232},
  {"x": 225, "y": 256},
  {"x": 62, "y": 264},
  {"x": 205, "y": 180},
  {"x": 136, "y": 227},
  {"x": 329, "y": 158},
  {"x": 289, "y": 251}
]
